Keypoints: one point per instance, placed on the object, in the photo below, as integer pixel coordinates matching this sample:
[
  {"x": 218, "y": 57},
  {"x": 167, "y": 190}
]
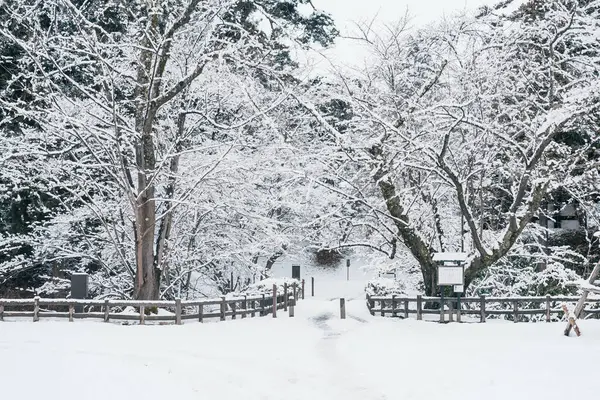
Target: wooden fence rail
[
  {"x": 222, "y": 308},
  {"x": 517, "y": 309}
]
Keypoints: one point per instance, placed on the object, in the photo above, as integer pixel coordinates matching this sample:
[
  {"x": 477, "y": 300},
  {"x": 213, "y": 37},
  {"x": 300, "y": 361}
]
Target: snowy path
[{"x": 314, "y": 356}]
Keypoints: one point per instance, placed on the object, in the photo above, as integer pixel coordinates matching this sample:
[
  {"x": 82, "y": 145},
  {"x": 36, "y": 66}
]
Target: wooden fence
[
  {"x": 222, "y": 308},
  {"x": 517, "y": 309}
]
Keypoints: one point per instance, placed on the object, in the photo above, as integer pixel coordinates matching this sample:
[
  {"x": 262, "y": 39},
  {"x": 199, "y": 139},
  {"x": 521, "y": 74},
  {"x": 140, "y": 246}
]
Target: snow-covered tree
[
  {"x": 163, "y": 118},
  {"x": 455, "y": 143}
]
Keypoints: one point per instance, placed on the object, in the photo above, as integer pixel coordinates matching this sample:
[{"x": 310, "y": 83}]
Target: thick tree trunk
[
  {"x": 417, "y": 246},
  {"x": 147, "y": 280},
  {"x": 148, "y": 276}
]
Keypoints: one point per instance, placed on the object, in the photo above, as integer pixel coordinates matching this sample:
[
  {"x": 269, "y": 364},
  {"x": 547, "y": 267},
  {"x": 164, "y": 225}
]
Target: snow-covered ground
[{"x": 313, "y": 356}]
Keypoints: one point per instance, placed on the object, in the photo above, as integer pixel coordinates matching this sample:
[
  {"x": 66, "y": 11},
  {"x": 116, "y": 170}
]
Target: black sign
[{"x": 296, "y": 272}]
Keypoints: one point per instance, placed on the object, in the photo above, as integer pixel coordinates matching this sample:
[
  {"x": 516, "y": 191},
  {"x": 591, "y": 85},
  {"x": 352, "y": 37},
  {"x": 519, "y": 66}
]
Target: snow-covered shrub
[
  {"x": 266, "y": 287},
  {"x": 521, "y": 279},
  {"x": 514, "y": 280},
  {"x": 384, "y": 287}
]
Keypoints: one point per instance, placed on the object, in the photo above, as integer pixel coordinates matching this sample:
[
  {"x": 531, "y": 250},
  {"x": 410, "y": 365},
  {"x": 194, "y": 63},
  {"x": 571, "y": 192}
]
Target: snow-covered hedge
[
  {"x": 385, "y": 287},
  {"x": 515, "y": 280},
  {"x": 266, "y": 287}
]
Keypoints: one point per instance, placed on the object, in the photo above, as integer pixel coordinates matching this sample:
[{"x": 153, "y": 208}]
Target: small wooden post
[
  {"x": 450, "y": 312},
  {"x": 36, "y": 309},
  {"x": 482, "y": 309},
  {"x": 106, "y": 311},
  {"x": 1, "y": 311},
  {"x": 442, "y": 311},
  {"x": 348, "y": 269},
  {"x": 515, "y": 311},
  {"x": 548, "y": 308},
  {"x": 419, "y": 308},
  {"x": 223, "y": 308},
  {"x": 177, "y": 311},
  {"x": 71, "y": 312},
  {"x": 253, "y": 308},
  {"x": 302, "y": 289},
  {"x": 285, "y": 296},
  {"x": 458, "y": 311},
  {"x": 244, "y": 307},
  {"x": 291, "y": 309},
  {"x": 295, "y": 291},
  {"x": 312, "y": 286},
  {"x": 343, "y": 308},
  {"x": 382, "y": 305},
  {"x": 274, "y": 301},
  {"x": 405, "y": 309},
  {"x": 233, "y": 310},
  {"x": 371, "y": 305},
  {"x": 394, "y": 305},
  {"x": 142, "y": 315},
  {"x": 263, "y": 306},
  {"x": 200, "y": 312}
]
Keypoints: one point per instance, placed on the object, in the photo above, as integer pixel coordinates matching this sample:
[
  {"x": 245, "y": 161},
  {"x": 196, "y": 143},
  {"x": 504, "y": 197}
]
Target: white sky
[{"x": 347, "y": 12}]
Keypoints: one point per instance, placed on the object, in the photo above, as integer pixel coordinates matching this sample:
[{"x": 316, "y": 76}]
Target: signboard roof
[{"x": 450, "y": 256}]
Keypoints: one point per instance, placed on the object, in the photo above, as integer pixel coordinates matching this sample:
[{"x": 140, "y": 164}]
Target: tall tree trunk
[
  {"x": 147, "y": 280},
  {"x": 417, "y": 246}
]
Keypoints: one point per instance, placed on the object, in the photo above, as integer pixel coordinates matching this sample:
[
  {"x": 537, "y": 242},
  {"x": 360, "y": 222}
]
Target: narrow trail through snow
[{"x": 323, "y": 312}]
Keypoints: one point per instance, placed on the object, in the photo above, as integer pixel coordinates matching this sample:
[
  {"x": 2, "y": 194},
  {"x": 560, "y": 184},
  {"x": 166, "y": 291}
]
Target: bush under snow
[{"x": 384, "y": 287}]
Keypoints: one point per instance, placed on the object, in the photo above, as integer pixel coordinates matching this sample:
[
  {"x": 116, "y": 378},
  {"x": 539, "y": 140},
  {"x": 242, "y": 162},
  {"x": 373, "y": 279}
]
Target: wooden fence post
[
  {"x": 515, "y": 311},
  {"x": 106, "y": 311},
  {"x": 253, "y": 308},
  {"x": 482, "y": 309},
  {"x": 36, "y": 309},
  {"x": 312, "y": 286},
  {"x": 285, "y": 296},
  {"x": 244, "y": 306},
  {"x": 394, "y": 305},
  {"x": 302, "y": 289},
  {"x": 263, "y": 306},
  {"x": 405, "y": 309},
  {"x": 71, "y": 312},
  {"x": 178, "y": 311},
  {"x": 295, "y": 291},
  {"x": 343, "y": 308},
  {"x": 370, "y": 305},
  {"x": 1, "y": 311},
  {"x": 233, "y": 310},
  {"x": 382, "y": 304},
  {"x": 442, "y": 311},
  {"x": 274, "y": 301},
  {"x": 292, "y": 305},
  {"x": 419, "y": 307},
  {"x": 200, "y": 312},
  {"x": 548, "y": 308},
  {"x": 142, "y": 315},
  {"x": 450, "y": 312},
  {"x": 223, "y": 308}
]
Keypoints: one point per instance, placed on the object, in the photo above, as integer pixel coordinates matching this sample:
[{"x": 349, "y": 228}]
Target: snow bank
[{"x": 315, "y": 355}]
